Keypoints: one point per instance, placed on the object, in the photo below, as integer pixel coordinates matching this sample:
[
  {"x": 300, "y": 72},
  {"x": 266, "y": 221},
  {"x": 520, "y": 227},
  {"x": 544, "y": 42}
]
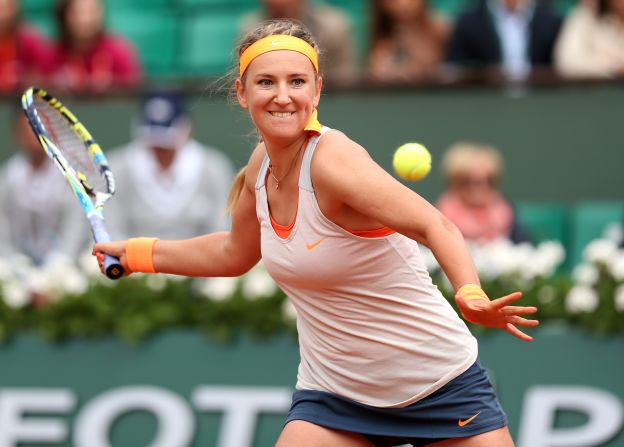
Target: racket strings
[{"x": 71, "y": 146}]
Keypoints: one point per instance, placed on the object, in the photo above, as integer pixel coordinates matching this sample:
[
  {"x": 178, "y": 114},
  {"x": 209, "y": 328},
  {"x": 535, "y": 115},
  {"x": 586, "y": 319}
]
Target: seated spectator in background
[
  {"x": 168, "y": 185},
  {"x": 329, "y": 25},
  {"x": 24, "y": 52},
  {"x": 87, "y": 57},
  {"x": 591, "y": 44},
  {"x": 511, "y": 38},
  {"x": 408, "y": 41},
  {"x": 472, "y": 200},
  {"x": 39, "y": 216}
]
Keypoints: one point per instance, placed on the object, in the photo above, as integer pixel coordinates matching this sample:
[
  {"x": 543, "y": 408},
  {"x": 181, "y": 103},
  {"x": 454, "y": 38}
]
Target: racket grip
[{"x": 112, "y": 267}]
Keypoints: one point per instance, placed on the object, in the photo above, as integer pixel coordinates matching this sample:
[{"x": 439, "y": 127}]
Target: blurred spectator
[
  {"x": 591, "y": 43},
  {"x": 39, "y": 216},
  {"x": 472, "y": 199},
  {"x": 512, "y": 37},
  {"x": 165, "y": 178},
  {"x": 87, "y": 57},
  {"x": 330, "y": 26},
  {"x": 408, "y": 41},
  {"x": 24, "y": 52}
]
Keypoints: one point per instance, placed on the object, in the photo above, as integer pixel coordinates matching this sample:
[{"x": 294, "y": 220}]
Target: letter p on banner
[{"x": 603, "y": 410}]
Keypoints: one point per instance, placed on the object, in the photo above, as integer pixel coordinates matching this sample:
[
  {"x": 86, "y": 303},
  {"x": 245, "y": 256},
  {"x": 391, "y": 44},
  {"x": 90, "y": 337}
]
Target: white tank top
[{"x": 372, "y": 326}]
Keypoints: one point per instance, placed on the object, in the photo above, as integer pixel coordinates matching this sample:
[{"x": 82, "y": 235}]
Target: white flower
[
  {"x": 40, "y": 281},
  {"x": 75, "y": 282},
  {"x": 614, "y": 232},
  {"x": 616, "y": 268},
  {"x": 156, "y": 282},
  {"x": 600, "y": 250},
  {"x": 524, "y": 261},
  {"x": 21, "y": 262},
  {"x": 174, "y": 278},
  {"x": 217, "y": 289},
  {"x": 546, "y": 294},
  {"x": 57, "y": 277},
  {"x": 547, "y": 257},
  {"x": 619, "y": 298},
  {"x": 15, "y": 294},
  {"x": 484, "y": 258},
  {"x": 257, "y": 283},
  {"x": 89, "y": 265},
  {"x": 58, "y": 262},
  {"x": 288, "y": 311},
  {"x": 6, "y": 270},
  {"x": 581, "y": 299},
  {"x": 540, "y": 261},
  {"x": 585, "y": 274}
]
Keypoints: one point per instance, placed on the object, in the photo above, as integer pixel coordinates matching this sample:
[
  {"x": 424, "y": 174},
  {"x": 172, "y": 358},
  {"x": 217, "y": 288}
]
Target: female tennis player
[{"x": 385, "y": 360}]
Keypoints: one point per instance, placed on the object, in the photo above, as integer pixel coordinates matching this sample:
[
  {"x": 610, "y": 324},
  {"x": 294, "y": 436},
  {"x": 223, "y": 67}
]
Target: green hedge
[{"x": 61, "y": 300}]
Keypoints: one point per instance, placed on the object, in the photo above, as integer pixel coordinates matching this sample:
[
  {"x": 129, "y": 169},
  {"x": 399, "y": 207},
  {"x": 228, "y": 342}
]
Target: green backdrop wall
[
  {"x": 560, "y": 143},
  {"x": 562, "y": 390}
]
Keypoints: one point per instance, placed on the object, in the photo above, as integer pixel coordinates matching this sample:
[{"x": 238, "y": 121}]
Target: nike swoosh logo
[
  {"x": 467, "y": 421},
  {"x": 279, "y": 42},
  {"x": 314, "y": 245}
]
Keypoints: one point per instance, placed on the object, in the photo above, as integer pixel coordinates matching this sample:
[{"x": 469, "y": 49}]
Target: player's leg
[
  {"x": 495, "y": 438},
  {"x": 305, "y": 434}
]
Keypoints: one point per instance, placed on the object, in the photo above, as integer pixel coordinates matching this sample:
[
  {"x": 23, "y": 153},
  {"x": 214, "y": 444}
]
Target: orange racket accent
[
  {"x": 472, "y": 292},
  {"x": 139, "y": 252}
]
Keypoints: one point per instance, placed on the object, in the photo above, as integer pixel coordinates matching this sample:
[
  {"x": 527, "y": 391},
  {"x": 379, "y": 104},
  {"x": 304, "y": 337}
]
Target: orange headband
[{"x": 274, "y": 43}]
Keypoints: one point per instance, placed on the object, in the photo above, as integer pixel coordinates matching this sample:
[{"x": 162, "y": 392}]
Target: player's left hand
[{"x": 498, "y": 313}]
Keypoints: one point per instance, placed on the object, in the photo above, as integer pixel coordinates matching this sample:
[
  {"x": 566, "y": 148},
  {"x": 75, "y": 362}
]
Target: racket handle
[{"x": 112, "y": 266}]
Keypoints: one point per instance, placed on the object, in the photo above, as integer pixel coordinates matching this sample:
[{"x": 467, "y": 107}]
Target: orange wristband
[
  {"x": 472, "y": 292},
  {"x": 139, "y": 253}
]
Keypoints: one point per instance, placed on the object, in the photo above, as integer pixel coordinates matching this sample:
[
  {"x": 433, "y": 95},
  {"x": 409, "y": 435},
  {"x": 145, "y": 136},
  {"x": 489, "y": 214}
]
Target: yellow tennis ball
[{"x": 412, "y": 161}]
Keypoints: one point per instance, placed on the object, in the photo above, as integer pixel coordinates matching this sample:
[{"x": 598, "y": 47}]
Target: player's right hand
[{"x": 116, "y": 249}]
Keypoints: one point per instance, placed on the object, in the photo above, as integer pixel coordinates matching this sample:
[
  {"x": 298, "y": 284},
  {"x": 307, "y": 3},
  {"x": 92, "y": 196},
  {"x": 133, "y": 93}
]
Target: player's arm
[
  {"x": 345, "y": 170},
  {"x": 226, "y": 253}
]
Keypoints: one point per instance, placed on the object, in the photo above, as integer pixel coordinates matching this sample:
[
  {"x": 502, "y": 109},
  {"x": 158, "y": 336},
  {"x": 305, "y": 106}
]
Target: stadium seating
[
  {"x": 149, "y": 5},
  {"x": 35, "y": 6},
  {"x": 544, "y": 221},
  {"x": 207, "y": 43},
  {"x": 220, "y": 5},
  {"x": 155, "y": 34},
  {"x": 358, "y": 13},
  {"x": 588, "y": 222}
]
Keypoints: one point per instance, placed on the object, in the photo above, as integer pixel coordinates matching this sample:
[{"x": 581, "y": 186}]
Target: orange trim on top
[
  {"x": 378, "y": 232},
  {"x": 283, "y": 231}
]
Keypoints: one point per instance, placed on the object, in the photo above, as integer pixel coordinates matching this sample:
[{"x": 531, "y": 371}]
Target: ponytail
[{"x": 236, "y": 190}]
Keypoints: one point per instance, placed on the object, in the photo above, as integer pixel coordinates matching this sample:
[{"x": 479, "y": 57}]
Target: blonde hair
[
  {"x": 287, "y": 27},
  {"x": 461, "y": 158}
]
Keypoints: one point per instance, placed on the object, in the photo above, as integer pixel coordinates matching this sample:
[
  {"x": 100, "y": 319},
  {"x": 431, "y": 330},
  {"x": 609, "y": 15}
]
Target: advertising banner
[{"x": 183, "y": 389}]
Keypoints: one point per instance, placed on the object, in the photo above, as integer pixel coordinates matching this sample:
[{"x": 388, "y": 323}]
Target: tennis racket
[{"x": 79, "y": 158}]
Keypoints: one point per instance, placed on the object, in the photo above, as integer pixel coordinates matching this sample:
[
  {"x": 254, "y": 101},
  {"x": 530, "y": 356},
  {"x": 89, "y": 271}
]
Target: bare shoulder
[
  {"x": 335, "y": 152},
  {"x": 336, "y": 145}
]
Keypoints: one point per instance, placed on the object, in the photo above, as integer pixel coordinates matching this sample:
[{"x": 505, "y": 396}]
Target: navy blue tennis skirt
[{"x": 466, "y": 406}]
